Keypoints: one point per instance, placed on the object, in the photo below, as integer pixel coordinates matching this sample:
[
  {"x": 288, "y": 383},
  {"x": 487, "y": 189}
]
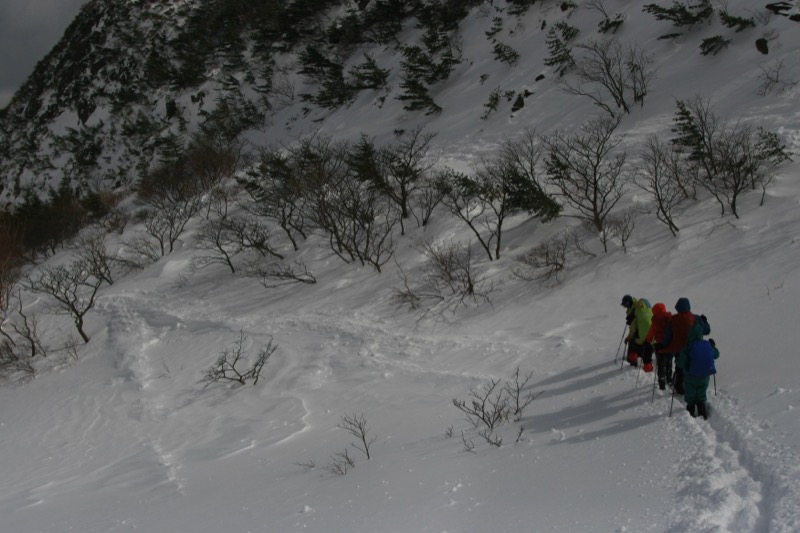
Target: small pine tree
[
  {"x": 560, "y": 54},
  {"x": 505, "y": 54},
  {"x": 713, "y": 45},
  {"x": 681, "y": 14},
  {"x": 368, "y": 75},
  {"x": 738, "y": 23}
]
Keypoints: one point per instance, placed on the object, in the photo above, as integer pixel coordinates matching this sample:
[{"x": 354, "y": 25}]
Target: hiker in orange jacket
[{"x": 659, "y": 337}]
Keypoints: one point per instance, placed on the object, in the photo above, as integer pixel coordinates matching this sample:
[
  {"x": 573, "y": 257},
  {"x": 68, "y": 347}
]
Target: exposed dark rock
[
  {"x": 540, "y": 77},
  {"x": 762, "y": 46},
  {"x": 519, "y": 103}
]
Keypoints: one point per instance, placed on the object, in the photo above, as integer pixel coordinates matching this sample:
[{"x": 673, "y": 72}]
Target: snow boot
[
  {"x": 633, "y": 359},
  {"x": 690, "y": 407},
  {"x": 702, "y": 411},
  {"x": 662, "y": 384},
  {"x": 648, "y": 367}
]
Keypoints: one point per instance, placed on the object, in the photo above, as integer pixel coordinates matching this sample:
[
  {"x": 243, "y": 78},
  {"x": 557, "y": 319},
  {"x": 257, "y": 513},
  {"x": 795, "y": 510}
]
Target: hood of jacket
[
  {"x": 659, "y": 309},
  {"x": 683, "y": 305},
  {"x": 695, "y": 333}
]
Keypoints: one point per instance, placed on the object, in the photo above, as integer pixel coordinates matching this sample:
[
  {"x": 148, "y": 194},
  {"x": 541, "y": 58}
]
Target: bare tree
[
  {"x": 587, "y": 170},
  {"x": 358, "y": 218},
  {"x": 173, "y": 196},
  {"x": 224, "y": 235},
  {"x": 212, "y": 157},
  {"x": 608, "y": 69},
  {"x": 730, "y": 159},
  {"x": 660, "y": 172},
  {"x": 90, "y": 248},
  {"x": 278, "y": 193},
  {"x": 405, "y": 166},
  {"x": 73, "y": 289}
]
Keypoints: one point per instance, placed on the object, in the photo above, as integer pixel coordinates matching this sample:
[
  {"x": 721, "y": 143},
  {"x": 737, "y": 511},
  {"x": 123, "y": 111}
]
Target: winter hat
[
  {"x": 683, "y": 305},
  {"x": 659, "y": 309},
  {"x": 627, "y": 300}
]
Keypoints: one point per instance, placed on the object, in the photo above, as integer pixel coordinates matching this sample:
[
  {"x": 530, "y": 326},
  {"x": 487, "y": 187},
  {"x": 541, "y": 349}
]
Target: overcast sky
[{"x": 28, "y": 30}]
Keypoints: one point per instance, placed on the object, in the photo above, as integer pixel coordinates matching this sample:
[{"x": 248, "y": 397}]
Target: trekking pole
[
  {"x": 672, "y": 400},
  {"x": 715, "y": 384},
  {"x": 638, "y": 373},
  {"x": 655, "y": 374},
  {"x": 620, "y": 343}
]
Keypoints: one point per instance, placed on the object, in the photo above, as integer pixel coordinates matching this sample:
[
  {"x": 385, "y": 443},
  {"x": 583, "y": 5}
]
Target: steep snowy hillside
[{"x": 121, "y": 433}]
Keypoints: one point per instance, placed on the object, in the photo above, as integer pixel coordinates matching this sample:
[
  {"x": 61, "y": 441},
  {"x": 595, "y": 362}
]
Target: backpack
[
  {"x": 700, "y": 362},
  {"x": 703, "y": 321}
]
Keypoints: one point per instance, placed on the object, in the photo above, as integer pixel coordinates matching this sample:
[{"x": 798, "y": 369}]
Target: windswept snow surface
[{"x": 124, "y": 438}]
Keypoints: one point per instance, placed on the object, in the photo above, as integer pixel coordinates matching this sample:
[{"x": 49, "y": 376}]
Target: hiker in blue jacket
[{"x": 697, "y": 362}]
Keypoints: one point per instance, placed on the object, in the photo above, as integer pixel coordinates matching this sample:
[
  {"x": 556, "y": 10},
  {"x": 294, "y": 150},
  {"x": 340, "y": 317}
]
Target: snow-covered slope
[{"x": 125, "y": 438}]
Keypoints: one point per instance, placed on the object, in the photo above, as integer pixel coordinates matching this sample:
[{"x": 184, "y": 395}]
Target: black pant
[
  {"x": 664, "y": 367},
  {"x": 678, "y": 378}
]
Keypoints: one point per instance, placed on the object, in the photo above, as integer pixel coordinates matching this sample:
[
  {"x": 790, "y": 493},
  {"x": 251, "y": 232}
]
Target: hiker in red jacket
[
  {"x": 659, "y": 337},
  {"x": 680, "y": 324}
]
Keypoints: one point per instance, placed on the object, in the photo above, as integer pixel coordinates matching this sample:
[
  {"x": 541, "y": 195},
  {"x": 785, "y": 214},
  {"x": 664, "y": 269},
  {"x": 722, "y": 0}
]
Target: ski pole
[{"x": 715, "y": 384}]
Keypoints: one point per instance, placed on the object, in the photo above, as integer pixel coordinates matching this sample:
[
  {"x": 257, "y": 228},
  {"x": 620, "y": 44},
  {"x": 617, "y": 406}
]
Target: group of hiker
[{"x": 684, "y": 359}]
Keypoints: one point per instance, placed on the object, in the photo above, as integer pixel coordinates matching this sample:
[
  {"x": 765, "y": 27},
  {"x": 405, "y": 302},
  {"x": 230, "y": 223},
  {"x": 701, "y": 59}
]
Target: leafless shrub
[
  {"x": 114, "y": 221},
  {"x": 514, "y": 389},
  {"x": 621, "y": 226},
  {"x": 449, "y": 432},
  {"x": 14, "y": 363},
  {"x": 356, "y": 425},
  {"x": 485, "y": 407},
  {"x": 449, "y": 278},
  {"x": 553, "y": 257},
  {"x": 493, "y": 404},
  {"x": 772, "y": 80},
  {"x": 340, "y": 464},
  {"x": 275, "y": 274},
  {"x": 139, "y": 251},
  {"x": 469, "y": 445},
  {"x": 309, "y": 464},
  {"x": 231, "y": 365},
  {"x": 491, "y": 438}
]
